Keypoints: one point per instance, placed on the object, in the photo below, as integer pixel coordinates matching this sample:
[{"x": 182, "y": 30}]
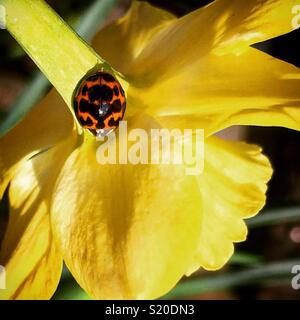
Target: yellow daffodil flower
[{"x": 132, "y": 231}]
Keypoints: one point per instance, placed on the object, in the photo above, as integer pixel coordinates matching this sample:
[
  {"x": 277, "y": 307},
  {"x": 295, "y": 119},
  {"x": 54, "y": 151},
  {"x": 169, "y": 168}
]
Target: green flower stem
[
  {"x": 57, "y": 50},
  {"x": 246, "y": 259},
  {"x": 32, "y": 94},
  {"x": 93, "y": 17},
  {"x": 272, "y": 271},
  {"x": 275, "y": 216},
  {"x": 36, "y": 89}
]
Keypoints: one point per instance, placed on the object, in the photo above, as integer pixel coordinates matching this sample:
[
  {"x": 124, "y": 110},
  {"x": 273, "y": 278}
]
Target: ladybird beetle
[{"x": 99, "y": 103}]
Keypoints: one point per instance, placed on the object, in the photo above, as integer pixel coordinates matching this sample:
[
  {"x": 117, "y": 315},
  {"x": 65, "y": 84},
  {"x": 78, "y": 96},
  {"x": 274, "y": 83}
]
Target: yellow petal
[
  {"x": 28, "y": 242},
  {"x": 232, "y": 188},
  {"x": 131, "y": 231},
  {"x": 242, "y": 23},
  {"x": 232, "y": 24},
  {"x": 206, "y": 79},
  {"x": 121, "y": 42},
  {"x": 47, "y": 124},
  {"x": 253, "y": 88},
  {"x": 126, "y": 231},
  {"x": 32, "y": 260}
]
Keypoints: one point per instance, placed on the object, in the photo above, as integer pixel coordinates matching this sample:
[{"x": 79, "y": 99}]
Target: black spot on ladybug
[
  {"x": 107, "y": 77},
  {"x": 117, "y": 106},
  {"x": 116, "y": 90},
  {"x": 75, "y": 105},
  {"x": 100, "y": 125},
  {"x": 113, "y": 123},
  {"x": 93, "y": 78},
  {"x": 87, "y": 122},
  {"x": 81, "y": 120},
  {"x": 89, "y": 108},
  {"x": 85, "y": 106},
  {"x": 84, "y": 90},
  {"x": 100, "y": 93},
  {"x": 95, "y": 93},
  {"x": 106, "y": 93}
]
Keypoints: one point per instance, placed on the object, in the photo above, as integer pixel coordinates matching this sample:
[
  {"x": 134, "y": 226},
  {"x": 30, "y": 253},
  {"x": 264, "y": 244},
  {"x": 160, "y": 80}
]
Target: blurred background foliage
[{"x": 261, "y": 266}]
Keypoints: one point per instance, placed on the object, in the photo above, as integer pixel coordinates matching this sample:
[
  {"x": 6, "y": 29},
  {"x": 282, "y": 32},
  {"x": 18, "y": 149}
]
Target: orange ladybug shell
[{"x": 99, "y": 102}]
